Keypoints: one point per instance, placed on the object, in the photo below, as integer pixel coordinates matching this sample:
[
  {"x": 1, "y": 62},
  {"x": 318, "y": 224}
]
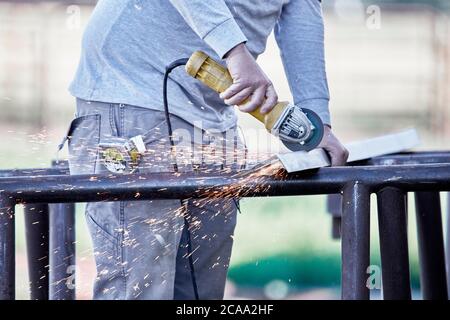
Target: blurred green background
[{"x": 389, "y": 68}]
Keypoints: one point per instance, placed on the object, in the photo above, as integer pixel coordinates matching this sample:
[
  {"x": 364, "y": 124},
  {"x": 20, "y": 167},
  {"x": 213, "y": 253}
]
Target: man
[{"x": 142, "y": 247}]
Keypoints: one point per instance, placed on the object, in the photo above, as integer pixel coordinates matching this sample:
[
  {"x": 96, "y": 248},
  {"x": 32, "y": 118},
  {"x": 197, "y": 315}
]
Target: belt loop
[
  {"x": 112, "y": 120},
  {"x": 122, "y": 118}
]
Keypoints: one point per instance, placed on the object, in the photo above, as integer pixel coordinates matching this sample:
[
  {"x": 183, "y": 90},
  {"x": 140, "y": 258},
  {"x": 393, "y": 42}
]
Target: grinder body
[{"x": 298, "y": 129}]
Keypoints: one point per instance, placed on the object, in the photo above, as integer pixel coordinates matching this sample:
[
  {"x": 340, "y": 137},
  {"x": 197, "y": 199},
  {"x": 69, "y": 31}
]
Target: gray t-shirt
[{"x": 127, "y": 45}]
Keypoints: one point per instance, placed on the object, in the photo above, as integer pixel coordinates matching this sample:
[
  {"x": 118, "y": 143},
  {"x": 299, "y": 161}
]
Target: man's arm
[
  {"x": 300, "y": 37},
  {"x": 213, "y": 23}
]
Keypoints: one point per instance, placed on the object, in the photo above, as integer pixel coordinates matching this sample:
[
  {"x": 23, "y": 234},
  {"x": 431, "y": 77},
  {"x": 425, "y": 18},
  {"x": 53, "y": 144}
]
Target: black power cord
[{"x": 169, "y": 69}]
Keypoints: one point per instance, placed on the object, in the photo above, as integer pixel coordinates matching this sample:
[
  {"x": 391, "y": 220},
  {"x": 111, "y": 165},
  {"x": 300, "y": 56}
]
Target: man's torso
[{"x": 127, "y": 45}]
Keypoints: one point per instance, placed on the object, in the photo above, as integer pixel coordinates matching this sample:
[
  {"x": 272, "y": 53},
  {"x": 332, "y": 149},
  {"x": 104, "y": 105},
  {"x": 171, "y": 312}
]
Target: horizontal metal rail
[{"x": 84, "y": 188}]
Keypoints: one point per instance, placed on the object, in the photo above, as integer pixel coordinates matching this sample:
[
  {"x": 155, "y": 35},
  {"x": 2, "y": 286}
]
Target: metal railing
[
  {"x": 356, "y": 183},
  {"x": 392, "y": 225}
]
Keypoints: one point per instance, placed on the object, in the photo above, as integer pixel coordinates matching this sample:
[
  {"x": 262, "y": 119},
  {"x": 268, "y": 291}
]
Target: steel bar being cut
[{"x": 359, "y": 150}]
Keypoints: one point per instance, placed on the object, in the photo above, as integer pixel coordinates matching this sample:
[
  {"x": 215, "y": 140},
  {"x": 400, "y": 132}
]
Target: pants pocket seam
[
  {"x": 106, "y": 235},
  {"x": 75, "y": 155}
]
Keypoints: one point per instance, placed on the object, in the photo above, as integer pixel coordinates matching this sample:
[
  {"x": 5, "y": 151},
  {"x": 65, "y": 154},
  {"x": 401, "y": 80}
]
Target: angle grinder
[{"x": 298, "y": 128}]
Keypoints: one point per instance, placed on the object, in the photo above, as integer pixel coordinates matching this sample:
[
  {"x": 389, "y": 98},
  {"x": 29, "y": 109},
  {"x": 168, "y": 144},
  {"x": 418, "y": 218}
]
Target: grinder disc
[{"x": 316, "y": 137}]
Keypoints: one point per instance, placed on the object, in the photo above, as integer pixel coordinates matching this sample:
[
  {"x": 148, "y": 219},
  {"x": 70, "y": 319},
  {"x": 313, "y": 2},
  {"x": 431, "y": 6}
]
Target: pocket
[
  {"x": 83, "y": 136},
  {"x": 107, "y": 225},
  {"x": 106, "y": 245},
  {"x": 158, "y": 134},
  {"x": 157, "y": 157}
]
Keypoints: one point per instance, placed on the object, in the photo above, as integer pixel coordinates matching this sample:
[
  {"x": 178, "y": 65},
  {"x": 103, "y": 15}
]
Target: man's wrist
[
  {"x": 225, "y": 36},
  {"x": 239, "y": 49}
]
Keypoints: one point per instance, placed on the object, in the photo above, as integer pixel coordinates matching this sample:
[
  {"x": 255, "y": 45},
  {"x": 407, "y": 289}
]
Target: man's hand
[
  {"x": 334, "y": 148},
  {"x": 249, "y": 81}
]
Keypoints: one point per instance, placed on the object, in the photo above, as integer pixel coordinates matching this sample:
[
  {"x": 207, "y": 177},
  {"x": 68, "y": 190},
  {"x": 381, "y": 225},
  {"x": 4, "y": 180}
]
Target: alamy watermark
[
  {"x": 70, "y": 280},
  {"x": 374, "y": 280},
  {"x": 73, "y": 20},
  {"x": 373, "y": 20}
]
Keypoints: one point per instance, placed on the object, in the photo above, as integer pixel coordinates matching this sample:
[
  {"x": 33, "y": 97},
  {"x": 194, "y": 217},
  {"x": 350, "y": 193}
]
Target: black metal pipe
[
  {"x": 392, "y": 223},
  {"x": 37, "y": 238},
  {"x": 336, "y": 223},
  {"x": 62, "y": 251},
  {"x": 334, "y": 207},
  {"x": 55, "y": 189},
  {"x": 431, "y": 246},
  {"x": 7, "y": 248},
  {"x": 355, "y": 252}
]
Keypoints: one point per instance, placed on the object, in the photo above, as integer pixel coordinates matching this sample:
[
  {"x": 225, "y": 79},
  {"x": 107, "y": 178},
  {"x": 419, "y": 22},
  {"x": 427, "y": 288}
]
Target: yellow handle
[{"x": 217, "y": 77}]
